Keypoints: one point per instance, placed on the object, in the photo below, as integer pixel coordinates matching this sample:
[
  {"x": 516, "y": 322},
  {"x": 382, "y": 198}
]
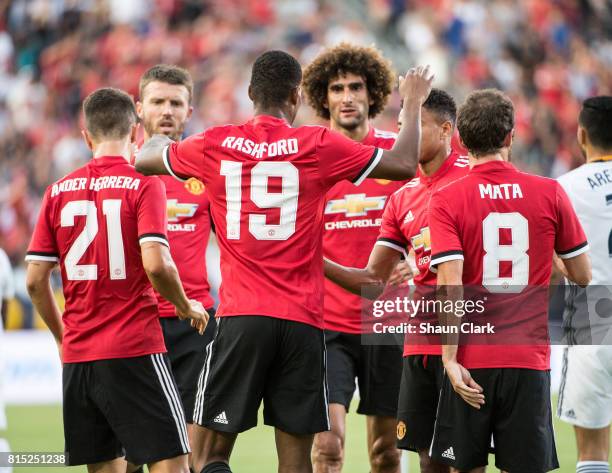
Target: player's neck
[
  {"x": 598, "y": 155},
  {"x": 273, "y": 112},
  {"x": 487, "y": 158},
  {"x": 112, "y": 148},
  {"x": 431, "y": 167},
  {"x": 356, "y": 134}
]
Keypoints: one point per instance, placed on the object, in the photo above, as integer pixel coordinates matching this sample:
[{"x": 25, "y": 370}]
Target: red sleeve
[
  {"x": 152, "y": 213},
  {"x": 43, "y": 246},
  {"x": 185, "y": 159},
  {"x": 445, "y": 241},
  {"x": 570, "y": 239},
  {"x": 390, "y": 233},
  {"x": 341, "y": 158}
]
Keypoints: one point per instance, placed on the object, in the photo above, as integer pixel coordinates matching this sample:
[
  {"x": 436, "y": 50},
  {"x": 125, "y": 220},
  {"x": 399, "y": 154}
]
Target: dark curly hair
[{"x": 367, "y": 62}]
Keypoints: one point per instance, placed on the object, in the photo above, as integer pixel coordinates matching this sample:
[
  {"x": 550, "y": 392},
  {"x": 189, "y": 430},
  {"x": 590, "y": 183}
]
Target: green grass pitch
[{"x": 39, "y": 428}]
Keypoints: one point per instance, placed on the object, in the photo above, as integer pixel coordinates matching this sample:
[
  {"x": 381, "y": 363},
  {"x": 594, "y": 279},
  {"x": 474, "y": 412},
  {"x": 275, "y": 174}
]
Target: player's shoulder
[{"x": 573, "y": 176}]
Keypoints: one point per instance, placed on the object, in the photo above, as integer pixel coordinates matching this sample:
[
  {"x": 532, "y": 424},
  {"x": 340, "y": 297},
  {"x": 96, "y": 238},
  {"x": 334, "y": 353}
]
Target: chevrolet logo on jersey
[
  {"x": 176, "y": 210},
  {"x": 422, "y": 240},
  {"x": 355, "y": 205}
]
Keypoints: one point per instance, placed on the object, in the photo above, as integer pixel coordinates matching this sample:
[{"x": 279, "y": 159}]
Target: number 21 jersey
[{"x": 93, "y": 222}]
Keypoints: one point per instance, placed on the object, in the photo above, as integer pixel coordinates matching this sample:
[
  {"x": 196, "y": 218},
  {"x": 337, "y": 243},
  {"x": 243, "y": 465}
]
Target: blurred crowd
[{"x": 548, "y": 55}]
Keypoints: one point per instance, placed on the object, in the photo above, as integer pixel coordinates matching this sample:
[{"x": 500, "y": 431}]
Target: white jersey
[
  {"x": 587, "y": 316},
  {"x": 7, "y": 291}
]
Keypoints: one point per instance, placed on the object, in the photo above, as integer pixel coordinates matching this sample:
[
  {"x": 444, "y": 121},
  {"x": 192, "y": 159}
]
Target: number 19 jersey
[
  {"x": 267, "y": 183},
  {"x": 92, "y": 222}
]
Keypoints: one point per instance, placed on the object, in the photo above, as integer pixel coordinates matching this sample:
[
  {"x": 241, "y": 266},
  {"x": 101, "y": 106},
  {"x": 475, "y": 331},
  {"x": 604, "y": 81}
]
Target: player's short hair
[
  {"x": 441, "y": 104},
  {"x": 168, "y": 74},
  {"x": 596, "y": 117},
  {"x": 275, "y": 75},
  {"x": 367, "y": 62},
  {"x": 484, "y": 120},
  {"x": 109, "y": 114}
]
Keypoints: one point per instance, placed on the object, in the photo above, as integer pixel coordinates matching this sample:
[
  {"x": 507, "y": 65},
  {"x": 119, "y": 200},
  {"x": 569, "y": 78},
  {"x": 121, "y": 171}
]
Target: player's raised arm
[
  {"x": 150, "y": 159},
  {"x": 401, "y": 161}
]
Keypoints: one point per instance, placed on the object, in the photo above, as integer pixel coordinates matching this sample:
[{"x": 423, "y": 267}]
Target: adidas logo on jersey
[
  {"x": 570, "y": 414},
  {"x": 409, "y": 217},
  {"x": 448, "y": 453},
  {"x": 221, "y": 418}
]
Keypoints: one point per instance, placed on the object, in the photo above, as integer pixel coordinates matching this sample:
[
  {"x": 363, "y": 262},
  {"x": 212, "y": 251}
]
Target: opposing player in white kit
[
  {"x": 585, "y": 397},
  {"x": 7, "y": 291}
]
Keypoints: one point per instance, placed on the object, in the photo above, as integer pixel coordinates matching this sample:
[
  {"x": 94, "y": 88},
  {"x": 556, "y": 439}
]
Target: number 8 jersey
[
  {"x": 505, "y": 224},
  {"x": 92, "y": 223},
  {"x": 267, "y": 183}
]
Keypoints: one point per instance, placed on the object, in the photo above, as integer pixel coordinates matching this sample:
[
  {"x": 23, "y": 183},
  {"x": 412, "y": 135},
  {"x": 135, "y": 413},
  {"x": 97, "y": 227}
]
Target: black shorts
[
  {"x": 517, "y": 413},
  {"x": 124, "y": 406},
  {"x": 422, "y": 377},
  {"x": 186, "y": 351},
  {"x": 254, "y": 358},
  {"x": 377, "y": 368}
]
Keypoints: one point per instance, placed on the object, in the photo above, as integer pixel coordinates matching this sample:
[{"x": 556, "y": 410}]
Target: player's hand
[
  {"x": 400, "y": 274},
  {"x": 197, "y": 314},
  {"x": 59, "y": 350},
  {"x": 464, "y": 384},
  {"x": 416, "y": 85}
]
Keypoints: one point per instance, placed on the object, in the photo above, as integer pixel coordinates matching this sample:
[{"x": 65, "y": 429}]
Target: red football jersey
[
  {"x": 188, "y": 231},
  {"x": 92, "y": 222},
  {"x": 505, "y": 225},
  {"x": 267, "y": 184},
  {"x": 352, "y": 219},
  {"x": 405, "y": 225}
]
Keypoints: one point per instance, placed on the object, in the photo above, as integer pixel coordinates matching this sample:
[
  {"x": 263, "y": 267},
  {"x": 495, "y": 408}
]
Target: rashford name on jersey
[{"x": 267, "y": 184}]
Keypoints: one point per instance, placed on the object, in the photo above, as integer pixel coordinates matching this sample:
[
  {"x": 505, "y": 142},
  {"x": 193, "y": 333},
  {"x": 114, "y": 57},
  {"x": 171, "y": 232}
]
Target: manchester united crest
[
  {"x": 194, "y": 186},
  {"x": 401, "y": 430}
]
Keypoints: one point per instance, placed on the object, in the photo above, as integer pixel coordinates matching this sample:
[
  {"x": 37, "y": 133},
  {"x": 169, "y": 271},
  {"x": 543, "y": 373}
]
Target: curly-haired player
[{"x": 348, "y": 85}]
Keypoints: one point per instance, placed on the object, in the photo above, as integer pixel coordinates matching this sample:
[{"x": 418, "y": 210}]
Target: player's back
[
  {"x": 267, "y": 183},
  {"x": 93, "y": 223},
  {"x": 509, "y": 227},
  {"x": 505, "y": 224}
]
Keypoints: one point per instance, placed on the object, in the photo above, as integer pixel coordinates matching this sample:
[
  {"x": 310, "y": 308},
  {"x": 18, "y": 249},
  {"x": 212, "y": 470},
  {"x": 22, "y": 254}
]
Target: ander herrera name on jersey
[{"x": 95, "y": 184}]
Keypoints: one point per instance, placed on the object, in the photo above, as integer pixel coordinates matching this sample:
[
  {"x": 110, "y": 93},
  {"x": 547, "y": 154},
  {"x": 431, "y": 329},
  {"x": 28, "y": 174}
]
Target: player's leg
[
  {"x": 293, "y": 452},
  {"x": 382, "y": 450},
  {"x": 421, "y": 382},
  {"x": 296, "y": 397},
  {"x": 328, "y": 447},
  {"x": 213, "y": 448},
  {"x": 379, "y": 376},
  {"x": 522, "y": 426},
  {"x": 585, "y": 401},
  {"x": 118, "y": 465},
  {"x": 231, "y": 387},
  {"x": 342, "y": 359},
  {"x": 593, "y": 449},
  {"x": 186, "y": 351},
  {"x": 140, "y": 401}
]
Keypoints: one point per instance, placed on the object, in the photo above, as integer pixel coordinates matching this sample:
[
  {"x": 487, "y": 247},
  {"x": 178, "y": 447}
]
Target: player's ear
[
  {"x": 508, "y": 139},
  {"x": 581, "y": 136},
  {"x": 134, "y": 132},
  {"x": 447, "y": 130},
  {"x": 296, "y": 96},
  {"x": 87, "y": 138},
  {"x": 251, "y": 94},
  {"x": 139, "y": 109},
  {"x": 189, "y": 112}
]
